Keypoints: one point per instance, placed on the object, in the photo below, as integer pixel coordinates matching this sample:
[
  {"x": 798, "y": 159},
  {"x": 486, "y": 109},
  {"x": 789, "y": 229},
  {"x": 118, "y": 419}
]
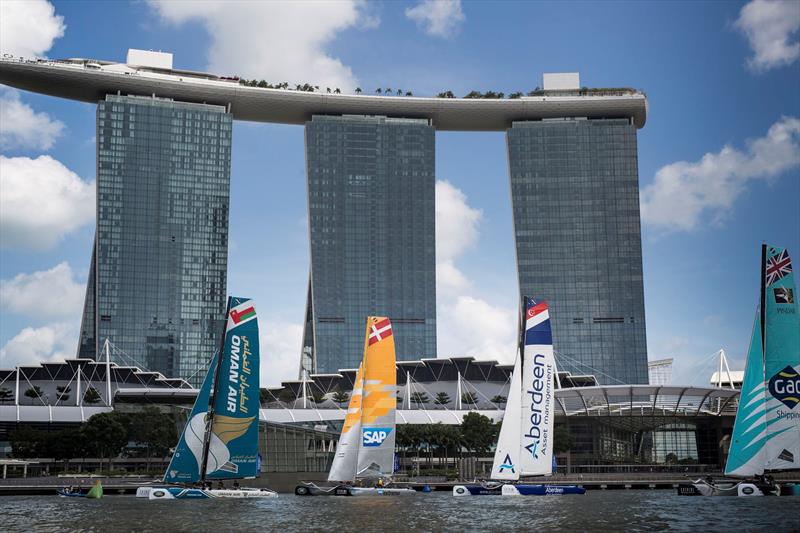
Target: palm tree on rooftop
[{"x": 358, "y": 90}]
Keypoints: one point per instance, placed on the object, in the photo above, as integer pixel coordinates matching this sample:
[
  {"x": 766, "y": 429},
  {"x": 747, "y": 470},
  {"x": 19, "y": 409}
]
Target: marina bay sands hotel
[{"x": 158, "y": 280}]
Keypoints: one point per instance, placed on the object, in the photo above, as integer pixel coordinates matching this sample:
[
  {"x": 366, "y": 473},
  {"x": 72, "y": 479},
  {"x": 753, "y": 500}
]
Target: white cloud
[
  {"x": 440, "y": 18},
  {"x": 29, "y": 27},
  {"x": 53, "y": 342},
  {"x": 685, "y": 195},
  {"x": 50, "y": 293},
  {"x": 41, "y": 201},
  {"x": 280, "y": 351},
  {"x": 771, "y": 27},
  {"x": 473, "y": 327},
  {"x": 467, "y": 325},
  {"x": 275, "y": 41},
  {"x": 456, "y": 232},
  {"x": 22, "y": 127}
]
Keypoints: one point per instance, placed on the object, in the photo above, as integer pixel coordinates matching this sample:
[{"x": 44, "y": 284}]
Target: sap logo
[
  {"x": 374, "y": 436},
  {"x": 785, "y": 387}
]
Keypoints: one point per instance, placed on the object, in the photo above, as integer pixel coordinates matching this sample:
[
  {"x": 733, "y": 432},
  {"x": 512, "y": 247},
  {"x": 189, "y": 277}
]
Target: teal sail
[
  {"x": 746, "y": 455},
  {"x": 232, "y": 443},
  {"x": 185, "y": 464},
  {"x": 766, "y": 434},
  {"x": 782, "y": 361}
]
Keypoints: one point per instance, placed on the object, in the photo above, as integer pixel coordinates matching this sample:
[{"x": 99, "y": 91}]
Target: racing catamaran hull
[
  {"x": 517, "y": 490},
  {"x": 178, "y": 493},
  {"x": 311, "y": 489}
]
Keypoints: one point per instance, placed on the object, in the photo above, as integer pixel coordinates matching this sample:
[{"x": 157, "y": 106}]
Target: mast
[
  {"x": 763, "y": 301},
  {"x": 363, "y": 397},
  {"x": 212, "y": 401}
]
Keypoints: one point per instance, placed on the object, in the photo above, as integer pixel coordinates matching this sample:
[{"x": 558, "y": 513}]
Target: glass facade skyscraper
[
  {"x": 575, "y": 196},
  {"x": 158, "y": 280},
  {"x": 371, "y": 209}
]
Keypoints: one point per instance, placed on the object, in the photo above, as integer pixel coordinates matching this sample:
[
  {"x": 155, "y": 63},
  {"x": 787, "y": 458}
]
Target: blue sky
[{"x": 719, "y": 157}]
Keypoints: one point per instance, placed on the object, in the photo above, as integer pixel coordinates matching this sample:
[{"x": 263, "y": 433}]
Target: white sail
[
  {"x": 538, "y": 392},
  {"x": 506, "y": 455},
  {"x": 346, "y": 458}
]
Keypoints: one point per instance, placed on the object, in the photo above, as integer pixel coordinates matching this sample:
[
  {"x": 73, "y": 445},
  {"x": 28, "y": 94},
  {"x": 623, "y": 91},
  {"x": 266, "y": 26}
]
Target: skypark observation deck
[{"x": 90, "y": 80}]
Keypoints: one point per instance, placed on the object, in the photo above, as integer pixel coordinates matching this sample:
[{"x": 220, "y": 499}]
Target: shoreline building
[
  {"x": 572, "y": 160},
  {"x": 371, "y": 182},
  {"x": 157, "y": 284},
  {"x": 575, "y": 200}
]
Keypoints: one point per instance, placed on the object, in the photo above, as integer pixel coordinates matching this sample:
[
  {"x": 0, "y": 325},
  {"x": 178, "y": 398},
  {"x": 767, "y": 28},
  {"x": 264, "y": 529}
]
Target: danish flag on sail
[{"x": 379, "y": 330}]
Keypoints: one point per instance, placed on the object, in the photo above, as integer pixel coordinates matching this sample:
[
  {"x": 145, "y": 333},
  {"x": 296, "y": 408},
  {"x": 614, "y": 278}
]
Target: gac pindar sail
[
  {"x": 226, "y": 447},
  {"x": 766, "y": 434},
  {"x": 525, "y": 446},
  {"x": 366, "y": 445}
]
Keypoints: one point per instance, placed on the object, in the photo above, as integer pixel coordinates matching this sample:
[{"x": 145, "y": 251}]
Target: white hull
[
  {"x": 378, "y": 491},
  {"x": 741, "y": 488},
  {"x": 178, "y": 493}
]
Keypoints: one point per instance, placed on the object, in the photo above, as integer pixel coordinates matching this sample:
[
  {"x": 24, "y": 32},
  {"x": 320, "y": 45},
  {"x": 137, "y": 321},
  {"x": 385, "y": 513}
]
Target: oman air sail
[
  {"x": 220, "y": 440},
  {"x": 525, "y": 445},
  {"x": 365, "y": 452},
  {"x": 766, "y": 434}
]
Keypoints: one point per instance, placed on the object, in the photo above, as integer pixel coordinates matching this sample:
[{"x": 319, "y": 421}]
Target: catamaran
[
  {"x": 766, "y": 434},
  {"x": 365, "y": 453},
  {"x": 525, "y": 445},
  {"x": 220, "y": 439}
]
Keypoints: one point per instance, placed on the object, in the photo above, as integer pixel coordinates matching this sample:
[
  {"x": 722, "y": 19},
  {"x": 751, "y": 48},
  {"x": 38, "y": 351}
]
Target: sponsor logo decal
[
  {"x": 374, "y": 436},
  {"x": 539, "y": 392},
  {"x": 785, "y": 387},
  {"x": 508, "y": 464},
  {"x": 245, "y": 314},
  {"x": 159, "y": 493},
  {"x": 783, "y": 295}
]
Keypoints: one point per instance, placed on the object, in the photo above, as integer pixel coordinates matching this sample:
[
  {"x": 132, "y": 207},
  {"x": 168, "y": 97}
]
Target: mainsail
[
  {"x": 766, "y": 434},
  {"x": 346, "y": 458},
  {"x": 366, "y": 445},
  {"x": 188, "y": 456},
  {"x": 506, "y": 455},
  {"x": 227, "y": 447},
  {"x": 746, "y": 454},
  {"x": 525, "y": 446}
]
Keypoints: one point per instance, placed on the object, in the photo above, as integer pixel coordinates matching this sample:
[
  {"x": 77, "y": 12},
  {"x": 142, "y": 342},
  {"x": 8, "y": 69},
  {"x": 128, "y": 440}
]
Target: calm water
[{"x": 596, "y": 511}]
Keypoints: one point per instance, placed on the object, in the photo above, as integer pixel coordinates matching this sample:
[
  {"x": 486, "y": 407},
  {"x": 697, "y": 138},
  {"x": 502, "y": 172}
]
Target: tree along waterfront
[{"x": 148, "y": 433}]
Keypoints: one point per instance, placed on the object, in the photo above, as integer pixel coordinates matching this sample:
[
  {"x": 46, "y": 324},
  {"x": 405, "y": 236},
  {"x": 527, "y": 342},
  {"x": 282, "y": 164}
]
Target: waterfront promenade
[{"x": 285, "y": 482}]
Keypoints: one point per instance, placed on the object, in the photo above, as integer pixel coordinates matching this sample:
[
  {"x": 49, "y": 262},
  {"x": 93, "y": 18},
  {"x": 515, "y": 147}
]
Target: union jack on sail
[{"x": 778, "y": 266}]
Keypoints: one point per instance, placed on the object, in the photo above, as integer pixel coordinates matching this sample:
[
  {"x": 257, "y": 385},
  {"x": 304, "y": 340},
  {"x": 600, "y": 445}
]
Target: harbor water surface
[{"x": 596, "y": 511}]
